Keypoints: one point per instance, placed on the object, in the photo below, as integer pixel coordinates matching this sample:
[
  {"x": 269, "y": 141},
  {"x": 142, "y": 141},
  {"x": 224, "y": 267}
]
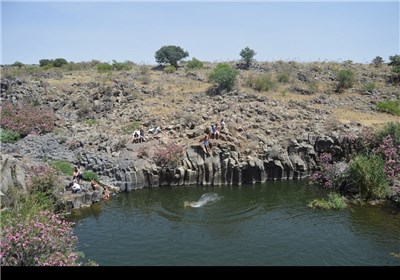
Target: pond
[{"x": 261, "y": 224}]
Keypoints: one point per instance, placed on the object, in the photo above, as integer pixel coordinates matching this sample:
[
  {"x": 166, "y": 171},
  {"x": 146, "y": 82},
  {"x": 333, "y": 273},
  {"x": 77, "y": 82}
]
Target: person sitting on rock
[
  {"x": 206, "y": 144},
  {"x": 216, "y": 131},
  {"x": 222, "y": 124},
  {"x": 142, "y": 138},
  {"x": 106, "y": 194},
  {"x": 136, "y": 136},
  {"x": 94, "y": 184},
  {"x": 76, "y": 187},
  {"x": 77, "y": 175}
]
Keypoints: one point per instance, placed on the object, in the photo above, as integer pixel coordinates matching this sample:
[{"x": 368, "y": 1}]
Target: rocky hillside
[{"x": 276, "y": 134}]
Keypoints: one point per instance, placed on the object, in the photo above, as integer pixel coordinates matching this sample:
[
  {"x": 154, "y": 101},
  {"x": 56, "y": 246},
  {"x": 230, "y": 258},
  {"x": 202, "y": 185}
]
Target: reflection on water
[{"x": 235, "y": 225}]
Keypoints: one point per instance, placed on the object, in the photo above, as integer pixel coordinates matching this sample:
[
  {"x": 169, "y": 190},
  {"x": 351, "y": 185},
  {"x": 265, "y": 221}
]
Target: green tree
[
  {"x": 45, "y": 62},
  {"x": 170, "y": 54},
  {"x": 377, "y": 61},
  {"x": 224, "y": 76},
  {"x": 394, "y": 60},
  {"x": 247, "y": 54},
  {"x": 395, "y": 63},
  {"x": 17, "y": 64},
  {"x": 59, "y": 62}
]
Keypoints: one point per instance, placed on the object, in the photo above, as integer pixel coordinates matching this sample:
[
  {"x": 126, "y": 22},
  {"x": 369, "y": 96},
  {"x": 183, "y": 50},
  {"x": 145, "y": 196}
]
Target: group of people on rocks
[
  {"x": 139, "y": 137},
  {"x": 212, "y": 133},
  {"x": 76, "y": 185}
]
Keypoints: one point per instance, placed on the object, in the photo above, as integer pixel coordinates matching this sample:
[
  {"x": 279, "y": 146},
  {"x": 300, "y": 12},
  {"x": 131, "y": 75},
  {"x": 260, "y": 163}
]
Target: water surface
[{"x": 267, "y": 224}]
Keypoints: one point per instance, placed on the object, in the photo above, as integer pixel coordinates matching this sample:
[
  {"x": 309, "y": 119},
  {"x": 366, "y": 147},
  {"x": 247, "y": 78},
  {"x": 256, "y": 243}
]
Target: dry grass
[{"x": 347, "y": 115}]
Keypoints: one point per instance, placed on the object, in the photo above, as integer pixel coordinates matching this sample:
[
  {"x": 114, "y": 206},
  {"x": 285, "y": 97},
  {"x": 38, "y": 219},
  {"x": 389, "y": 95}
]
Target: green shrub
[
  {"x": 90, "y": 122},
  {"x": 194, "y": 64},
  {"x": 377, "y": 61},
  {"x": 144, "y": 69},
  {"x": 9, "y": 136},
  {"x": 119, "y": 66},
  {"x": 283, "y": 78},
  {"x": 64, "y": 167},
  {"x": 368, "y": 87},
  {"x": 18, "y": 64},
  {"x": 262, "y": 82},
  {"x": 392, "y": 129},
  {"x": 89, "y": 175},
  {"x": 345, "y": 80},
  {"x": 335, "y": 202},
  {"x": 390, "y": 106},
  {"x": 313, "y": 87},
  {"x": 144, "y": 79},
  {"x": 367, "y": 174},
  {"x": 130, "y": 127},
  {"x": 104, "y": 67},
  {"x": 169, "y": 69},
  {"x": 224, "y": 76}
]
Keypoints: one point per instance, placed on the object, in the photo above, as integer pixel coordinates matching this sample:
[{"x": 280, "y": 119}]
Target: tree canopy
[
  {"x": 170, "y": 54},
  {"x": 247, "y": 54}
]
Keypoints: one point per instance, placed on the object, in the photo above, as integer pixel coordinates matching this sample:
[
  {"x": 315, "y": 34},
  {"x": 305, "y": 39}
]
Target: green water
[{"x": 267, "y": 224}]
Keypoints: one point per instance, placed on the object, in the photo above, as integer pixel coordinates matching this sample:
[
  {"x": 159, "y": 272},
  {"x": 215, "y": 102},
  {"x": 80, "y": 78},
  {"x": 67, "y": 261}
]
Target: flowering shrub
[
  {"x": 143, "y": 152},
  {"x": 43, "y": 179},
  {"x": 46, "y": 240},
  {"x": 391, "y": 155},
  {"x": 25, "y": 118},
  {"x": 169, "y": 156}
]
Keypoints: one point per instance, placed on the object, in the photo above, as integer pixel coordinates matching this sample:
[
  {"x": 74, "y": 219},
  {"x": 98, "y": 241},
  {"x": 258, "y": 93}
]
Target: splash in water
[{"x": 204, "y": 199}]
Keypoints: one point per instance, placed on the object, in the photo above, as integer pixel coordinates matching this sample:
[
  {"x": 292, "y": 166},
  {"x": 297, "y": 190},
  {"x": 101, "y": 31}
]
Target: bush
[
  {"x": 45, "y": 62},
  {"x": 377, "y": 61},
  {"x": 169, "y": 156},
  {"x": 369, "y": 87},
  {"x": 59, "y": 62},
  {"x": 367, "y": 174},
  {"x": 90, "y": 122},
  {"x": 392, "y": 129},
  {"x": 104, "y": 67},
  {"x": 194, "y": 64},
  {"x": 283, "y": 78},
  {"x": 64, "y": 167},
  {"x": 89, "y": 175},
  {"x": 262, "y": 82},
  {"x": 130, "y": 127},
  {"x": 170, "y": 54},
  {"x": 345, "y": 79},
  {"x": 169, "y": 69},
  {"x": 144, "y": 69},
  {"x": 224, "y": 76},
  {"x": 9, "y": 136},
  {"x": 119, "y": 66},
  {"x": 247, "y": 55},
  {"x": 390, "y": 106},
  {"x": 18, "y": 64},
  {"x": 394, "y": 60},
  {"x": 43, "y": 180},
  {"x": 46, "y": 240},
  {"x": 24, "y": 118},
  {"x": 335, "y": 202}
]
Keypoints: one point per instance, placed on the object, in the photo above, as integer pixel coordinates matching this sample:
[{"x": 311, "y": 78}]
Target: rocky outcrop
[{"x": 226, "y": 165}]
